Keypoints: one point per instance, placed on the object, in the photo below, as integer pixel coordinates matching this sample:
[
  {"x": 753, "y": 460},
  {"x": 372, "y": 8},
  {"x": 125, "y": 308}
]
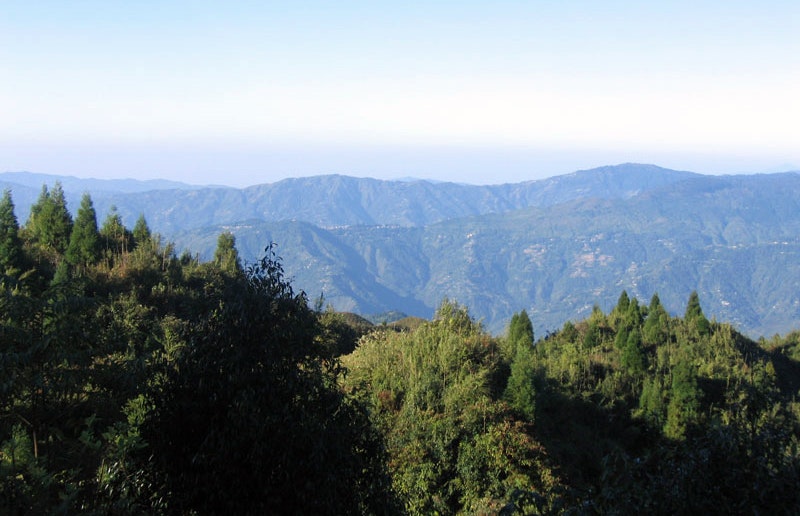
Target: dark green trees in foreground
[
  {"x": 134, "y": 381},
  {"x": 249, "y": 420}
]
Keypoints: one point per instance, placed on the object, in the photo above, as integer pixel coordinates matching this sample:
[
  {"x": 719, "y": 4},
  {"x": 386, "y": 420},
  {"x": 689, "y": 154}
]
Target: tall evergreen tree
[
  {"x": 623, "y": 302},
  {"x": 10, "y": 243},
  {"x": 633, "y": 356},
  {"x": 520, "y": 329},
  {"x": 114, "y": 236},
  {"x": 141, "y": 231},
  {"x": 31, "y": 229},
  {"x": 50, "y": 223},
  {"x": 84, "y": 243},
  {"x": 695, "y": 316},
  {"x": 656, "y": 325},
  {"x": 520, "y": 391},
  {"x": 684, "y": 400}
]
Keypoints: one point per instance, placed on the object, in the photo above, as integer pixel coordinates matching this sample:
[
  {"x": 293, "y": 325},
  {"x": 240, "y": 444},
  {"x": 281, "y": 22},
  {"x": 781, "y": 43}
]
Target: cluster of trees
[
  {"x": 134, "y": 380},
  {"x": 626, "y": 412}
]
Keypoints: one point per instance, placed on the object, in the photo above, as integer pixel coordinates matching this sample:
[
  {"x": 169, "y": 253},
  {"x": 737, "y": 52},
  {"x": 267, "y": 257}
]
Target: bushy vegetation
[
  {"x": 134, "y": 381},
  {"x": 137, "y": 381}
]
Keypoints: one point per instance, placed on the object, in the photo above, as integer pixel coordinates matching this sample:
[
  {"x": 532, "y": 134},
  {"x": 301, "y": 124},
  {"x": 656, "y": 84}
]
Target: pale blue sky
[{"x": 248, "y": 92}]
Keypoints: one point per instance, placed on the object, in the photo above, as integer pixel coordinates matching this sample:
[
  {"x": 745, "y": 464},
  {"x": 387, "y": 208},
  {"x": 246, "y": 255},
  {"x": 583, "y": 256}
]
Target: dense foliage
[
  {"x": 134, "y": 380},
  {"x": 627, "y": 412}
]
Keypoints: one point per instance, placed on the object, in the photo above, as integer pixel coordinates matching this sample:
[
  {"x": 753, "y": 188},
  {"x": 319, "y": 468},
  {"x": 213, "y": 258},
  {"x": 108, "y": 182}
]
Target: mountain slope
[
  {"x": 547, "y": 246},
  {"x": 330, "y": 201},
  {"x": 734, "y": 239}
]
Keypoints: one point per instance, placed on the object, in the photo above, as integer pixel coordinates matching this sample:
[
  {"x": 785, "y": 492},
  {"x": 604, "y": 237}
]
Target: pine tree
[
  {"x": 622, "y": 303},
  {"x": 84, "y": 243},
  {"x": 141, "y": 231},
  {"x": 10, "y": 243},
  {"x": 520, "y": 329},
  {"x": 621, "y": 338},
  {"x": 633, "y": 356},
  {"x": 633, "y": 316},
  {"x": 60, "y": 220},
  {"x": 114, "y": 236},
  {"x": 694, "y": 315},
  {"x": 656, "y": 325},
  {"x": 520, "y": 391},
  {"x": 50, "y": 224},
  {"x": 684, "y": 402},
  {"x": 693, "y": 308},
  {"x": 31, "y": 229}
]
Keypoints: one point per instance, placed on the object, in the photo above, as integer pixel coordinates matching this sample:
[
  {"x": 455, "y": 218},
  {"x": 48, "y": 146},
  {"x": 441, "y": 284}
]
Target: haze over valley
[
  {"x": 553, "y": 247},
  {"x": 401, "y": 258}
]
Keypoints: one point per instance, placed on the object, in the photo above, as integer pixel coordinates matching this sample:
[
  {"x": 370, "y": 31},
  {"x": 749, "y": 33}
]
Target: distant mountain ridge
[
  {"x": 335, "y": 200},
  {"x": 547, "y": 246},
  {"x": 72, "y": 183}
]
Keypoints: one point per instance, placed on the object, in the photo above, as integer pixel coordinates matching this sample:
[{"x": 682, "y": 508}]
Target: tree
[
  {"x": 141, "y": 231},
  {"x": 50, "y": 223},
  {"x": 633, "y": 316},
  {"x": 684, "y": 401},
  {"x": 622, "y": 303},
  {"x": 633, "y": 356},
  {"x": 226, "y": 257},
  {"x": 250, "y": 420},
  {"x": 115, "y": 238},
  {"x": 520, "y": 391},
  {"x": 657, "y": 322},
  {"x": 10, "y": 243},
  {"x": 651, "y": 402},
  {"x": 694, "y": 315},
  {"x": 84, "y": 243},
  {"x": 456, "y": 317},
  {"x": 621, "y": 338},
  {"x": 520, "y": 329}
]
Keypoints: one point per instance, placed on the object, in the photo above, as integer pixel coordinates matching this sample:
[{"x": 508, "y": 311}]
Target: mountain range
[{"x": 547, "y": 246}]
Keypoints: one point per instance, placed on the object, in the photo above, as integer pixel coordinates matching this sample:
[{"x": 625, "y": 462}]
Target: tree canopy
[{"x": 137, "y": 381}]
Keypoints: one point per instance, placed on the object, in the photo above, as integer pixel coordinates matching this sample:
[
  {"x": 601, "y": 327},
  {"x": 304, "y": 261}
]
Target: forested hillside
[
  {"x": 332, "y": 201},
  {"x": 555, "y": 246},
  {"x": 734, "y": 239},
  {"x": 135, "y": 380}
]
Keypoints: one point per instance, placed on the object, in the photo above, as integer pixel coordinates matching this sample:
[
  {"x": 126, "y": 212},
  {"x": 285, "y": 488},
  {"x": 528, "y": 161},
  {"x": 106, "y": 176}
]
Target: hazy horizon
[{"x": 248, "y": 93}]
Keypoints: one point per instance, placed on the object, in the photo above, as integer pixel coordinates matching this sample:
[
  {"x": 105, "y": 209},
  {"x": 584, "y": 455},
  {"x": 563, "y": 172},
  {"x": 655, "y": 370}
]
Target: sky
[{"x": 248, "y": 92}]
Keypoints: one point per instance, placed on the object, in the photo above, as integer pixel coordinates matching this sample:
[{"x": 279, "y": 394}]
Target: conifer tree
[
  {"x": 623, "y": 302},
  {"x": 633, "y": 356},
  {"x": 621, "y": 339},
  {"x": 84, "y": 243},
  {"x": 114, "y": 235},
  {"x": 633, "y": 316},
  {"x": 520, "y": 391},
  {"x": 141, "y": 231},
  {"x": 656, "y": 325},
  {"x": 519, "y": 329},
  {"x": 684, "y": 401},
  {"x": 10, "y": 243},
  {"x": 694, "y": 315},
  {"x": 50, "y": 223}
]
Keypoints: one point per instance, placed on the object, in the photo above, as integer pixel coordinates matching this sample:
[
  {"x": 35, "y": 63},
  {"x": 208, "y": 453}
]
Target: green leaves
[
  {"x": 250, "y": 420},
  {"x": 454, "y": 445},
  {"x": 84, "y": 242}
]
